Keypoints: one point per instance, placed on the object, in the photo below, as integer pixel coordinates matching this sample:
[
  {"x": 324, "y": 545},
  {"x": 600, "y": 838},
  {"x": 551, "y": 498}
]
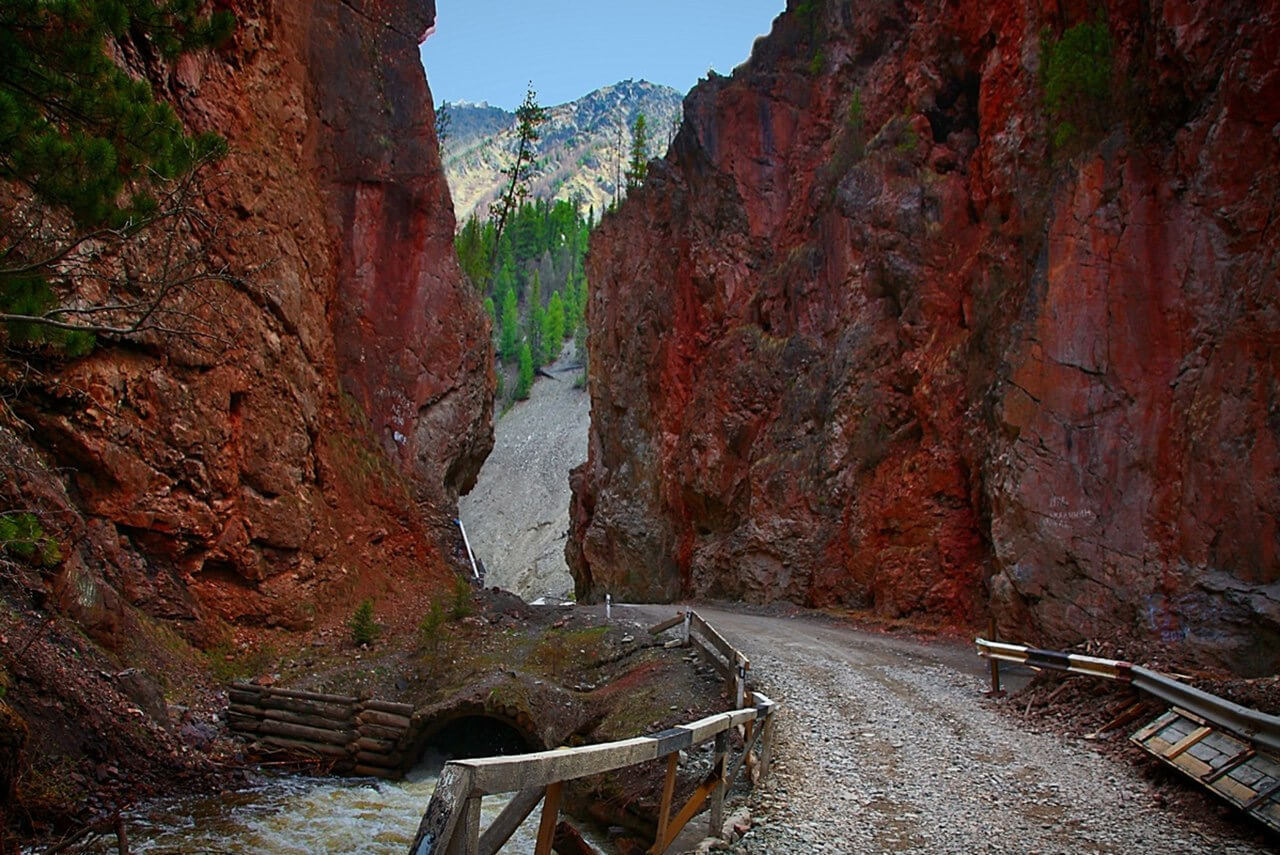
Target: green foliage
[
  {"x": 856, "y": 119},
  {"x": 638, "y": 165},
  {"x": 461, "y": 606},
  {"x": 553, "y": 329},
  {"x": 86, "y": 137},
  {"x": 431, "y": 628},
  {"x": 525, "y": 381},
  {"x": 226, "y": 663},
  {"x": 509, "y": 346},
  {"x": 22, "y": 536},
  {"x": 364, "y": 629},
  {"x": 1076, "y": 73},
  {"x": 817, "y": 62},
  {"x": 910, "y": 141},
  {"x": 536, "y": 314}
]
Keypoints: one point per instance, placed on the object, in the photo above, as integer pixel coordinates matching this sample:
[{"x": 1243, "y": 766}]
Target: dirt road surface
[{"x": 886, "y": 745}]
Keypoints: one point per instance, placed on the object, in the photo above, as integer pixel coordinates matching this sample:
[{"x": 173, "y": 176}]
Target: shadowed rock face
[
  {"x": 866, "y": 337},
  {"x": 315, "y": 454}
]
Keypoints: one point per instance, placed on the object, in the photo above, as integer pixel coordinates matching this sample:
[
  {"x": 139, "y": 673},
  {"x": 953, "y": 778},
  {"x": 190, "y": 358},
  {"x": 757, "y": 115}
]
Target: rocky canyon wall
[
  {"x": 313, "y": 448},
  {"x": 881, "y": 332}
]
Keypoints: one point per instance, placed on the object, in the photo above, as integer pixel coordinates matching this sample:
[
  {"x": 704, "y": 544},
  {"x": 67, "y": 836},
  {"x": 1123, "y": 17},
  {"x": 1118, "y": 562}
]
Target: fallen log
[
  {"x": 375, "y": 772},
  {"x": 381, "y": 746},
  {"x": 569, "y": 841}
]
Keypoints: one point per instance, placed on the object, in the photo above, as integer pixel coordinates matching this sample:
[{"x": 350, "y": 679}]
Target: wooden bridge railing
[{"x": 451, "y": 825}]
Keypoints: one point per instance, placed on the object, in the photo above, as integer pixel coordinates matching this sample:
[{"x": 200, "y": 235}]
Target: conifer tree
[
  {"x": 83, "y": 136},
  {"x": 638, "y": 165},
  {"x": 525, "y": 381},
  {"x": 508, "y": 338},
  {"x": 536, "y": 314},
  {"x": 529, "y": 116},
  {"x": 553, "y": 329}
]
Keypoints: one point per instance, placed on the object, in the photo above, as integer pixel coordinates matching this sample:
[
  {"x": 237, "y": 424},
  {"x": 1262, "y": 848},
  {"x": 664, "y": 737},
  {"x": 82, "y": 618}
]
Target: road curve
[{"x": 886, "y": 745}]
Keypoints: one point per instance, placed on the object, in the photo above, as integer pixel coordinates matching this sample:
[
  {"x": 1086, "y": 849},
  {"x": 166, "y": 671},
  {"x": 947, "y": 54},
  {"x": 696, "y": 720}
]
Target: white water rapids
[{"x": 295, "y": 815}]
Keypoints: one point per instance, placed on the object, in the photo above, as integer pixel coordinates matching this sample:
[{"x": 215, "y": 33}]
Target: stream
[{"x": 297, "y": 815}]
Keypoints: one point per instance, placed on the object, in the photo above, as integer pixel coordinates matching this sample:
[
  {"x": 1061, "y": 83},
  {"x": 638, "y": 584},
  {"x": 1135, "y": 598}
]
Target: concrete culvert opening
[{"x": 477, "y": 736}]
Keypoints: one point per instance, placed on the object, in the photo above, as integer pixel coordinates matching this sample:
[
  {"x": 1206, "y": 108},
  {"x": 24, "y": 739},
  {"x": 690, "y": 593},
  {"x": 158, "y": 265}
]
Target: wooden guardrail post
[
  {"x": 668, "y": 792},
  {"x": 717, "y": 794},
  {"x": 766, "y": 746},
  {"x": 466, "y": 834},
  {"x": 547, "y": 826}
]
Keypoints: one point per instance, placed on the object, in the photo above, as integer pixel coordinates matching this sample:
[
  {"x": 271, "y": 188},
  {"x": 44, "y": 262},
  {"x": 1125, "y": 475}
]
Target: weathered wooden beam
[
  {"x": 714, "y": 638},
  {"x": 466, "y": 837},
  {"x": 717, "y": 793},
  {"x": 380, "y": 746},
  {"x": 712, "y": 657},
  {"x": 659, "y": 628},
  {"x": 547, "y": 825},
  {"x": 506, "y": 823},
  {"x": 374, "y": 758},
  {"x": 668, "y": 792},
  {"x": 389, "y": 707},
  {"x": 751, "y": 740},
  {"x": 567, "y": 840},
  {"x": 682, "y": 818},
  {"x": 297, "y": 694},
  {"x": 305, "y": 747},
  {"x": 766, "y": 746},
  {"x": 385, "y": 719},
  {"x": 309, "y": 734},
  {"x": 443, "y": 811},
  {"x": 378, "y": 731},
  {"x": 307, "y": 720},
  {"x": 338, "y": 711}
]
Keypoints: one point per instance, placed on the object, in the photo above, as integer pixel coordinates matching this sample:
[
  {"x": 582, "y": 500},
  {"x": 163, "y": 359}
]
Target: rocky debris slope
[
  {"x": 582, "y": 152},
  {"x": 889, "y": 329},
  {"x": 885, "y": 745},
  {"x": 517, "y": 517}
]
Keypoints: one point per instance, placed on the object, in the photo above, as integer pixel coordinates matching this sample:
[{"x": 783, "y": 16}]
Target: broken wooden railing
[
  {"x": 363, "y": 736},
  {"x": 1231, "y": 749},
  {"x": 451, "y": 824}
]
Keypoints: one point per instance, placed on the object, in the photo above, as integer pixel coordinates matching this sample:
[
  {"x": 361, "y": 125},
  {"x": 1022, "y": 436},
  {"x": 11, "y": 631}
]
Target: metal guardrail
[
  {"x": 1258, "y": 727},
  {"x": 451, "y": 823}
]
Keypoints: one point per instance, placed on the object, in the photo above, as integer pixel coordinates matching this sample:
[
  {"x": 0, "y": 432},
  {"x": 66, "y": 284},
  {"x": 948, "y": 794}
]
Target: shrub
[
  {"x": 22, "y": 536},
  {"x": 363, "y": 627},
  {"x": 1076, "y": 74},
  {"x": 461, "y": 605},
  {"x": 430, "y": 628}
]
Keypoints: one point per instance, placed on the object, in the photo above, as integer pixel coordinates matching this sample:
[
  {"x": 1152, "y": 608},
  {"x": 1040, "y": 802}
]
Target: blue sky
[{"x": 488, "y": 50}]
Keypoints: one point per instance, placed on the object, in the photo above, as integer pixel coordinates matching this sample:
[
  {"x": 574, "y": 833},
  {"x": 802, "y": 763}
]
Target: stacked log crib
[{"x": 361, "y": 736}]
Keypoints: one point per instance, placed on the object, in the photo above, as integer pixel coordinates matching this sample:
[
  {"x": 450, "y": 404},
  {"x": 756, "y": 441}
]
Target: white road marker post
[
  {"x": 608, "y": 606},
  {"x": 470, "y": 554}
]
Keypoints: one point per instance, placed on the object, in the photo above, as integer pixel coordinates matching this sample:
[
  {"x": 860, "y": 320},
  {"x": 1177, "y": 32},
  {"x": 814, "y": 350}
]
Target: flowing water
[{"x": 294, "y": 815}]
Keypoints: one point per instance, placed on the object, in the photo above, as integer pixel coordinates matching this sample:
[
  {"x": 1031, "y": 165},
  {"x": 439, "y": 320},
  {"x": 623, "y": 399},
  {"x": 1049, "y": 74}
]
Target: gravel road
[
  {"x": 886, "y": 745},
  {"x": 517, "y": 516}
]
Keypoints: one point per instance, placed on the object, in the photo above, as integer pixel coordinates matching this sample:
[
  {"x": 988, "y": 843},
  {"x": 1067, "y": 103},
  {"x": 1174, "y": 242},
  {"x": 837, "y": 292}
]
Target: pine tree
[
  {"x": 86, "y": 137},
  {"x": 525, "y": 381},
  {"x": 536, "y": 314},
  {"x": 529, "y": 116},
  {"x": 553, "y": 329},
  {"x": 508, "y": 340},
  {"x": 638, "y": 166}
]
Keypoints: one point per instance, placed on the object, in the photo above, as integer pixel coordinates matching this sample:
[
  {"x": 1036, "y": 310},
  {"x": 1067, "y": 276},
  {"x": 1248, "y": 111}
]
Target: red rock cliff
[
  {"x": 318, "y": 451},
  {"x": 868, "y": 336}
]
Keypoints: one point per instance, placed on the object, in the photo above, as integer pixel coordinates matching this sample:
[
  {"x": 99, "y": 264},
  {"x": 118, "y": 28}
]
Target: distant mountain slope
[{"x": 582, "y": 152}]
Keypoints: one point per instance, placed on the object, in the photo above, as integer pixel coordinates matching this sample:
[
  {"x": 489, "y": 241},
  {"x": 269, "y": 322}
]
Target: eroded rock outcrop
[
  {"x": 869, "y": 335},
  {"x": 317, "y": 449}
]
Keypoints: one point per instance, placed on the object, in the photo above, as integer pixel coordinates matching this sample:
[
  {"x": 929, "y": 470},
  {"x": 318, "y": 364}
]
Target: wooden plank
[
  {"x": 389, "y": 707},
  {"x": 713, "y": 658},
  {"x": 717, "y": 794},
  {"x": 443, "y": 811},
  {"x": 714, "y": 638},
  {"x": 543, "y": 768},
  {"x": 766, "y": 746},
  {"x": 682, "y": 818},
  {"x": 309, "y": 734},
  {"x": 659, "y": 628},
  {"x": 466, "y": 837},
  {"x": 668, "y": 791},
  {"x": 506, "y": 823},
  {"x": 1187, "y": 741},
  {"x": 749, "y": 744},
  {"x": 547, "y": 826}
]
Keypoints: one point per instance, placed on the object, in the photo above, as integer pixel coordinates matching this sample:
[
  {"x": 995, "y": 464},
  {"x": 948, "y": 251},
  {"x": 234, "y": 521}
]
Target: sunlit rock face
[
  {"x": 314, "y": 453},
  {"x": 868, "y": 337}
]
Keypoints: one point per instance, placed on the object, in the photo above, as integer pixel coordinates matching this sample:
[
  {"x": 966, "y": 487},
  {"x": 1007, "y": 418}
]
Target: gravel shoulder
[
  {"x": 886, "y": 745},
  {"x": 517, "y": 516}
]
